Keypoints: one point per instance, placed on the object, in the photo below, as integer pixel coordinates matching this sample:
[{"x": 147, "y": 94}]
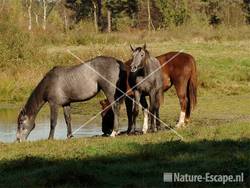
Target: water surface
[{"x": 8, "y": 125}]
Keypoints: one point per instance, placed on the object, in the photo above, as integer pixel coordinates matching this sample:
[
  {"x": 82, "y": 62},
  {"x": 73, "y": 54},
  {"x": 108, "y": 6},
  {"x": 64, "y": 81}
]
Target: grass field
[
  {"x": 223, "y": 66},
  {"x": 216, "y": 141}
]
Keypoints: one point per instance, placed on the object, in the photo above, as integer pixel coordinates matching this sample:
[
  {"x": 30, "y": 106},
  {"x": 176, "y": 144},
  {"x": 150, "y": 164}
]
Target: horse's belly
[
  {"x": 166, "y": 82},
  {"x": 83, "y": 92}
]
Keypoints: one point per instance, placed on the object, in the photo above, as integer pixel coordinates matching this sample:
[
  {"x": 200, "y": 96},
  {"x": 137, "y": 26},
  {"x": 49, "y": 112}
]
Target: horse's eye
[{"x": 142, "y": 55}]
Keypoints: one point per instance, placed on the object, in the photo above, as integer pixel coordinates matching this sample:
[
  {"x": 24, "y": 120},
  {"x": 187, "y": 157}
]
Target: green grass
[
  {"x": 216, "y": 141},
  {"x": 136, "y": 161}
]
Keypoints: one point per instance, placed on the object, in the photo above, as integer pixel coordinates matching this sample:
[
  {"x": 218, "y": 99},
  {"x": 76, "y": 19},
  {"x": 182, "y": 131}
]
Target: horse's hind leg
[
  {"x": 53, "y": 119},
  {"x": 182, "y": 95},
  {"x": 188, "y": 110},
  {"x": 67, "y": 117},
  {"x": 157, "y": 110}
]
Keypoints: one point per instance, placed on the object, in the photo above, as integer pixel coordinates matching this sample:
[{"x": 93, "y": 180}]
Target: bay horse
[
  {"x": 62, "y": 86},
  {"x": 145, "y": 79},
  {"x": 178, "y": 69}
]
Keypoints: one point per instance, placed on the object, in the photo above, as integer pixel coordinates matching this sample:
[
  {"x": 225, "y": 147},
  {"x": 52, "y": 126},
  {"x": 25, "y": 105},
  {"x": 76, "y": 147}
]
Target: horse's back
[
  {"x": 111, "y": 73},
  {"x": 82, "y": 81},
  {"x": 176, "y": 60},
  {"x": 106, "y": 61}
]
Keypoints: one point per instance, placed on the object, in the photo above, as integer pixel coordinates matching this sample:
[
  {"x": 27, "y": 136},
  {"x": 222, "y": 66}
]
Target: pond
[{"x": 8, "y": 125}]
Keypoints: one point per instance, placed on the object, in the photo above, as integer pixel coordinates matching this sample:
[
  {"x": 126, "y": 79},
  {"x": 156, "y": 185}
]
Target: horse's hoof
[
  {"x": 122, "y": 133},
  {"x": 152, "y": 130},
  {"x": 70, "y": 136},
  {"x": 144, "y": 131},
  {"x": 138, "y": 132},
  {"x": 161, "y": 128},
  {"x": 132, "y": 132},
  {"x": 180, "y": 125},
  {"x": 105, "y": 135},
  {"x": 113, "y": 134},
  {"x": 187, "y": 121}
]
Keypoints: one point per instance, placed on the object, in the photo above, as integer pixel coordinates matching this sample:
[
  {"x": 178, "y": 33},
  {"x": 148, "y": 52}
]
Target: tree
[
  {"x": 2, "y": 5},
  {"x": 29, "y": 13},
  {"x": 120, "y": 8},
  {"x": 150, "y": 23},
  {"x": 44, "y": 14},
  {"x": 39, "y": 9},
  {"x": 95, "y": 16},
  {"x": 174, "y": 12},
  {"x": 246, "y": 8}
]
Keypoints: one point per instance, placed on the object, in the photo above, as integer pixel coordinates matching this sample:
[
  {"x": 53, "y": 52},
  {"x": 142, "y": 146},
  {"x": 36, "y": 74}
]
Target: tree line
[{"x": 111, "y": 15}]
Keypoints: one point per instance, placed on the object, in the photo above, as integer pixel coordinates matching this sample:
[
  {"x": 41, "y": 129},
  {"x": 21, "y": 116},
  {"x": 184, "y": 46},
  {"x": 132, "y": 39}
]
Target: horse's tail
[{"x": 192, "y": 89}]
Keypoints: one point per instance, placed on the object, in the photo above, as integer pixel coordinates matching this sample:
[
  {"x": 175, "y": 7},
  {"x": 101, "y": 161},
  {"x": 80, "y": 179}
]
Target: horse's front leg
[
  {"x": 53, "y": 119},
  {"x": 129, "y": 109},
  {"x": 67, "y": 117},
  {"x": 152, "y": 110},
  {"x": 136, "y": 108},
  {"x": 144, "y": 104}
]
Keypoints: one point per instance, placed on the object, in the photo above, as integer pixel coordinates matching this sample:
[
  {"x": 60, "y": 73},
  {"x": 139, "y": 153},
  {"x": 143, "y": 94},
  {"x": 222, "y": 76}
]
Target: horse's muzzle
[{"x": 18, "y": 140}]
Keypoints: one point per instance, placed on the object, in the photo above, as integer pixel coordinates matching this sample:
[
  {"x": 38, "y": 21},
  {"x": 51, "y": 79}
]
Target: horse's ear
[
  {"x": 144, "y": 46},
  {"x": 132, "y": 48}
]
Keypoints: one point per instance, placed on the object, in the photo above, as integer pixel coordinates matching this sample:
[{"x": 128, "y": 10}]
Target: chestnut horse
[{"x": 178, "y": 69}]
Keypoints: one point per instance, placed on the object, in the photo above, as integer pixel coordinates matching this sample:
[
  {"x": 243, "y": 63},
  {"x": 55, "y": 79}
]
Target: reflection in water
[{"x": 8, "y": 125}]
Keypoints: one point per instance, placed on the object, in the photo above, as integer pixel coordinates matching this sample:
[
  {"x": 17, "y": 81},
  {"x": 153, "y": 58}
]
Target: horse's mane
[{"x": 35, "y": 99}]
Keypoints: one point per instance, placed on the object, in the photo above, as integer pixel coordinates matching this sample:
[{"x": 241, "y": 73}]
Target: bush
[{"x": 12, "y": 44}]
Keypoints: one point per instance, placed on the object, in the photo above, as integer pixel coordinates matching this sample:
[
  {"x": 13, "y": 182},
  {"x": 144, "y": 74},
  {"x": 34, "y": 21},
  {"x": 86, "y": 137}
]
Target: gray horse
[
  {"x": 145, "y": 78},
  {"x": 63, "y": 85}
]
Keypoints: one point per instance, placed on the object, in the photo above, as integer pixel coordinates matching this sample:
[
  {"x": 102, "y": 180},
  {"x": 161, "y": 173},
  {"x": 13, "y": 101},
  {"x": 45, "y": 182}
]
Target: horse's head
[
  {"x": 139, "y": 57},
  {"x": 105, "y": 106},
  {"x": 25, "y": 124}
]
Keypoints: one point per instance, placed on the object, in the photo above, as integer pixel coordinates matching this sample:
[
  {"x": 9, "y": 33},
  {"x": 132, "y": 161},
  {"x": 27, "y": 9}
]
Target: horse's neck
[
  {"x": 34, "y": 104},
  {"x": 148, "y": 66}
]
